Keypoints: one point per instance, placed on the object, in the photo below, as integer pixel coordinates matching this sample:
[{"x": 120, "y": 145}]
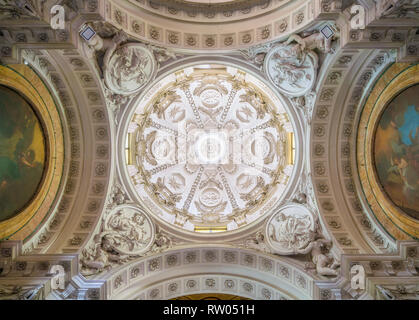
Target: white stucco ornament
[
  {"x": 291, "y": 230},
  {"x": 291, "y": 68},
  {"x": 129, "y": 68}
]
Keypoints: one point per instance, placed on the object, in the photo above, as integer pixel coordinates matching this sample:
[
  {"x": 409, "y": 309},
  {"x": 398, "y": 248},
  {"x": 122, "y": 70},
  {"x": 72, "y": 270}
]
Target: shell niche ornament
[
  {"x": 291, "y": 230},
  {"x": 129, "y": 68}
]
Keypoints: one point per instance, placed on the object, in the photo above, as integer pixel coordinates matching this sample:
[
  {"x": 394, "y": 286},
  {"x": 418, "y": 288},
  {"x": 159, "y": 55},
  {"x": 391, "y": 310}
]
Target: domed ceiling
[{"x": 209, "y": 149}]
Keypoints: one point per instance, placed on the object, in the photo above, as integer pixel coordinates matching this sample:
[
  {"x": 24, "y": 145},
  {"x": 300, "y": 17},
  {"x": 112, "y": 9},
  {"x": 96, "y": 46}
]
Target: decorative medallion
[
  {"x": 387, "y": 150},
  {"x": 22, "y": 153},
  {"x": 209, "y": 148},
  {"x": 291, "y": 230},
  {"x": 396, "y": 150},
  {"x": 129, "y": 230},
  {"x": 291, "y": 68},
  {"x": 129, "y": 68}
]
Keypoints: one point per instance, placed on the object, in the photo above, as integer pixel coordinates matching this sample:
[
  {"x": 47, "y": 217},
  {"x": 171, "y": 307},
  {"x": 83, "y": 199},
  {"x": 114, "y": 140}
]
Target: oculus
[{"x": 207, "y": 147}]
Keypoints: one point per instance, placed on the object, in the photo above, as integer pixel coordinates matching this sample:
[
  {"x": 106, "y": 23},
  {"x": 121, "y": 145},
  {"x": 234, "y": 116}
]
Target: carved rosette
[
  {"x": 291, "y": 229},
  {"x": 291, "y": 69},
  {"x": 129, "y": 69},
  {"x": 129, "y": 230}
]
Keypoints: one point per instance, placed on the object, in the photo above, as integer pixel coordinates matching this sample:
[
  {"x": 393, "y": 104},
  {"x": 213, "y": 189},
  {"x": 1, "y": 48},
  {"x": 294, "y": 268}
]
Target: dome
[{"x": 209, "y": 148}]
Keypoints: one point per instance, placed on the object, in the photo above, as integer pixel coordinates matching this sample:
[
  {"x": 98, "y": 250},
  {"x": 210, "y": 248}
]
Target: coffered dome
[{"x": 210, "y": 148}]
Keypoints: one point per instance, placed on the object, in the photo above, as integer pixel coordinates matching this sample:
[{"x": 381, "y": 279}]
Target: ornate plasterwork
[
  {"x": 177, "y": 287},
  {"x": 334, "y": 173},
  {"x": 129, "y": 68},
  {"x": 16, "y": 292},
  {"x": 168, "y": 26},
  {"x": 292, "y": 230},
  {"x": 223, "y": 11},
  {"x": 209, "y": 148},
  {"x": 132, "y": 229},
  {"x": 87, "y": 146},
  {"x": 14, "y": 9},
  {"x": 292, "y": 65},
  {"x": 398, "y": 9},
  {"x": 125, "y": 232},
  {"x": 31, "y": 276},
  {"x": 192, "y": 268},
  {"x": 397, "y": 292},
  {"x": 216, "y": 10},
  {"x": 386, "y": 276},
  {"x": 291, "y": 70}
]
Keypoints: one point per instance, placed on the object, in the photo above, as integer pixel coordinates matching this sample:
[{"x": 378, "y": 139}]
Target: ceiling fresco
[
  {"x": 396, "y": 150},
  {"x": 22, "y": 153}
]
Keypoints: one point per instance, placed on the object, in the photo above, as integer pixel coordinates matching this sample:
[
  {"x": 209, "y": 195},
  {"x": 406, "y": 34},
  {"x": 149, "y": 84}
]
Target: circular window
[{"x": 209, "y": 149}]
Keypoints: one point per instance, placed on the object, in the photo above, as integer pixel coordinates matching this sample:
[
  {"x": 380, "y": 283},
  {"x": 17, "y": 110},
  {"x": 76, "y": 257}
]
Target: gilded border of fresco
[
  {"x": 23, "y": 79},
  {"x": 395, "y": 79}
]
